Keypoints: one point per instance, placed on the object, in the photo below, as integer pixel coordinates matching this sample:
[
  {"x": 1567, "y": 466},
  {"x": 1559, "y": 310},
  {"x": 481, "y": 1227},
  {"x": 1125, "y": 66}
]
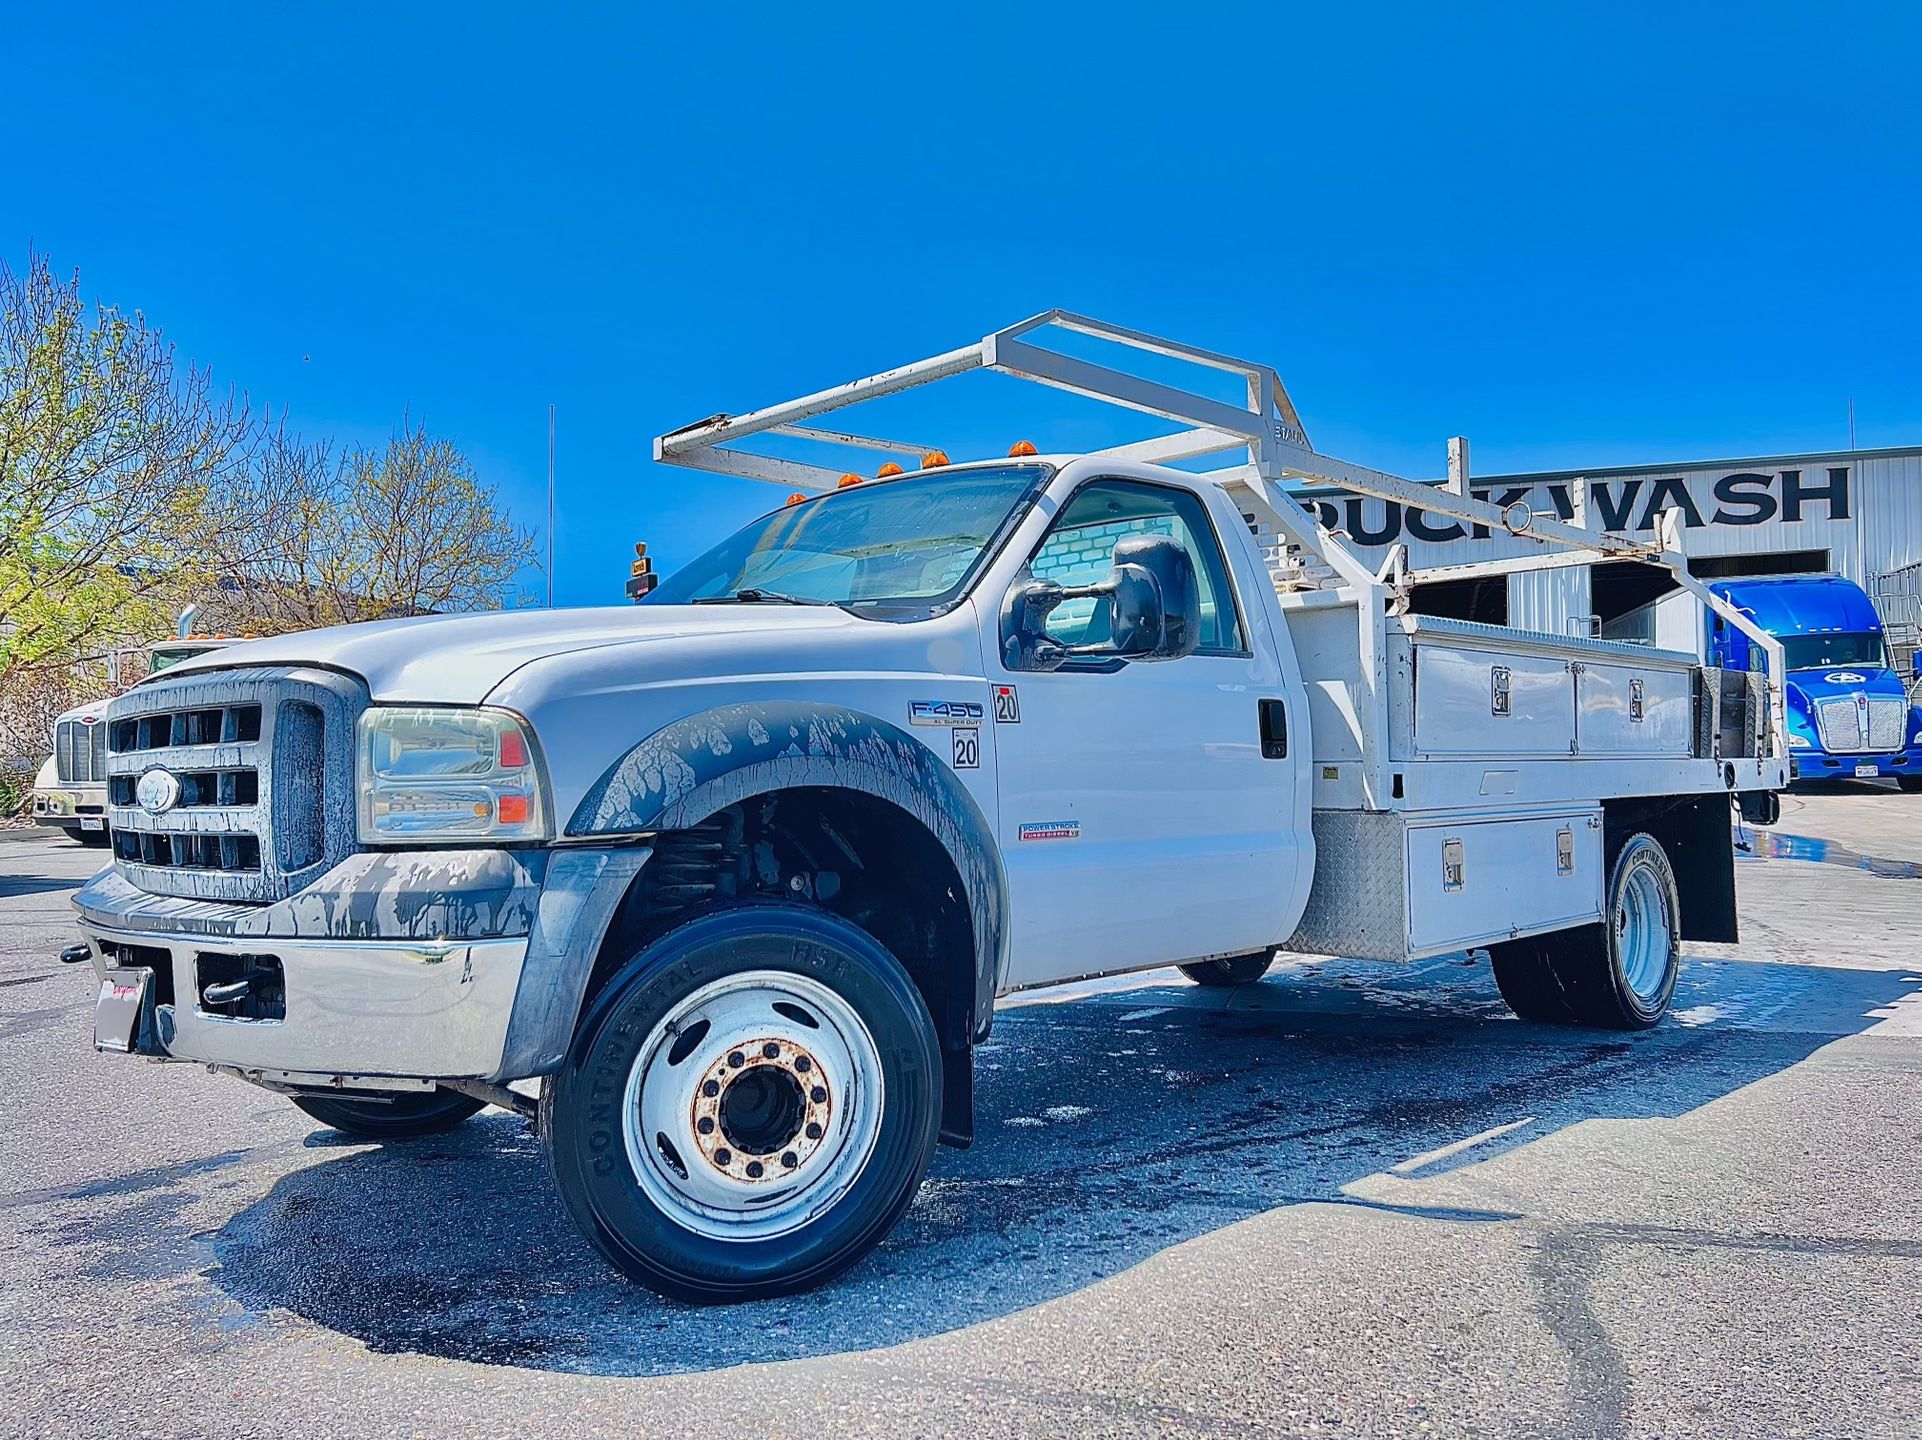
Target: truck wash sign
[{"x": 1740, "y": 497}]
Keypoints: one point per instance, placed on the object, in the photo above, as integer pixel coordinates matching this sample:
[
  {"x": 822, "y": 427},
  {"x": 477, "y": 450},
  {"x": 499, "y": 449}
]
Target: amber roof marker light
[
  {"x": 934, "y": 459},
  {"x": 888, "y": 470},
  {"x": 1022, "y": 449}
]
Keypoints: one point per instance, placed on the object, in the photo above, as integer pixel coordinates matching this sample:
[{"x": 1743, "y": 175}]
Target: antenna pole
[{"x": 550, "y": 507}]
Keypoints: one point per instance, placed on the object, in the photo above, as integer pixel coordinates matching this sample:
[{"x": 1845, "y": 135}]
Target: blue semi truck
[{"x": 1850, "y": 714}]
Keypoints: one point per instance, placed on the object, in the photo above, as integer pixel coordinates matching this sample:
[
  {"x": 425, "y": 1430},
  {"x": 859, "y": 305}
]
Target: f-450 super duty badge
[{"x": 945, "y": 712}]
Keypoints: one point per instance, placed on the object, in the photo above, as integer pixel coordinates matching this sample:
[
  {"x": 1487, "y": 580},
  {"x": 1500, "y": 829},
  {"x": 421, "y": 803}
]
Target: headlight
[
  {"x": 1799, "y": 742},
  {"x": 428, "y": 775}
]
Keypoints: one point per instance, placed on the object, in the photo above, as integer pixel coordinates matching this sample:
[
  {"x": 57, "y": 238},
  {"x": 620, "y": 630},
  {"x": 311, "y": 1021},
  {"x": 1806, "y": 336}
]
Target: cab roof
[{"x": 1802, "y": 604}]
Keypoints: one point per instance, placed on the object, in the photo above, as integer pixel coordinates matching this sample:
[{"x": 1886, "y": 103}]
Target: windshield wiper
[{"x": 752, "y": 596}]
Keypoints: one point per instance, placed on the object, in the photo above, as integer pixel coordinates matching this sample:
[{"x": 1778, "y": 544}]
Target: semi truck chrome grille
[
  {"x": 80, "y": 752},
  {"x": 1858, "y": 725},
  {"x": 232, "y": 785}
]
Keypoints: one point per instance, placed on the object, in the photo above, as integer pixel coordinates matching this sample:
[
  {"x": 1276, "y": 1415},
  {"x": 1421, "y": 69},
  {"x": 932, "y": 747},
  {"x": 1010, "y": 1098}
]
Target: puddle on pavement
[{"x": 1769, "y": 845}]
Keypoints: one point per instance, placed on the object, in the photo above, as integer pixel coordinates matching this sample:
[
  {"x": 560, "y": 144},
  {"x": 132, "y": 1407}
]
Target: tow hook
[{"x": 76, "y": 954}]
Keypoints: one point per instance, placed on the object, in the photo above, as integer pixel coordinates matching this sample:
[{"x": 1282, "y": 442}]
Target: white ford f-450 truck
[{"x": 738, "y": 873}]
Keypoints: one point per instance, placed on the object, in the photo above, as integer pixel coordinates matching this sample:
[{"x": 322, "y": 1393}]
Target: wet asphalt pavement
[{"x": 1350, "y": 1200}]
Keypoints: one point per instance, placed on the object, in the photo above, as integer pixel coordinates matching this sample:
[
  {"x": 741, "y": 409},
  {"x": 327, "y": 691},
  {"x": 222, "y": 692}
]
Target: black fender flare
[{"x": 694, "y": 767}]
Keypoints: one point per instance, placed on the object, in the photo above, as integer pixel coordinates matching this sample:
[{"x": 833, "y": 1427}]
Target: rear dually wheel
[
  {"x": 1234, "y": 970},
  {"x": 1618, "y": 975}
]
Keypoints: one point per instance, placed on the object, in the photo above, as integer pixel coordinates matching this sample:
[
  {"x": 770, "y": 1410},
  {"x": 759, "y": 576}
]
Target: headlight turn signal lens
[{"x": 431, "y": 775}]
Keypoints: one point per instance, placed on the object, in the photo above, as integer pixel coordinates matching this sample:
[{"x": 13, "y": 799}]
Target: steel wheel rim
[
  {"x": 725, "y": 1094},
  {"x": 1644, "y": 933}
]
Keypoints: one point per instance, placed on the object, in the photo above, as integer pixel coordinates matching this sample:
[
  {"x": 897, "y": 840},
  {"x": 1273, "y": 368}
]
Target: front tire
[
  {"x": 748, "y": 1106},
  {"x": 1908, "y": 784},
  {"x": 1235, "y": 970},
  {"x": 410, "y": 1113},
  {"x": 94, "y": 839},
  {"x": 1618, "y": 975}
]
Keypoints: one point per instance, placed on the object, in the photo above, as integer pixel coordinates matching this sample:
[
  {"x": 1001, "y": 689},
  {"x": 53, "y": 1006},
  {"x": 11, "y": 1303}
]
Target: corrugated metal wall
[{"x": 1864, "y": 508}]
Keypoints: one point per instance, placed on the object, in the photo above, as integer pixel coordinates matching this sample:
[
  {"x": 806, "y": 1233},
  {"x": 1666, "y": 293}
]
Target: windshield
[
  {"x": 1822, "y": 652},
  {"x": 164, "y": 659},
  {"x": 901, "y": 547}
]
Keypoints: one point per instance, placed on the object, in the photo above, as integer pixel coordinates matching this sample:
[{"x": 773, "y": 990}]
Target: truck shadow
[
  {"x": 1111, "y": 1127},
  {"x": 14, "y": 887}
]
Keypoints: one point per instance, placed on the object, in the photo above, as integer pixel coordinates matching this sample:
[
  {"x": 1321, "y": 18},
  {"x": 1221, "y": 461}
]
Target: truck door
[{"x": 1141, "y": 822}]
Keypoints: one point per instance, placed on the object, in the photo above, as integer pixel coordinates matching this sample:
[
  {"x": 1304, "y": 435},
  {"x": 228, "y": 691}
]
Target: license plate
[
  {"x": 1865, "y": 772},
  {"x": 92, "y": 822},
  {"x": 116, "y": 1013}
]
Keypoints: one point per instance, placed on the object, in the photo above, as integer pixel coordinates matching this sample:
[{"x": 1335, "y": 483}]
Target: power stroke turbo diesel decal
[
  {"x": 945, "y": 712},
  {"x": 1051, "y": 830}
]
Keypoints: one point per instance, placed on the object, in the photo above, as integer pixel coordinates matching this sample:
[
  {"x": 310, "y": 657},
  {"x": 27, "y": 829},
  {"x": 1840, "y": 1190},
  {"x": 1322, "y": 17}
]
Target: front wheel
[
  {"x": 406, "y": 1114},
  {"x": 1618, "y": 975},
  {"x": 748, "y": 1106},
  {"x": 1909, "y": 784}
]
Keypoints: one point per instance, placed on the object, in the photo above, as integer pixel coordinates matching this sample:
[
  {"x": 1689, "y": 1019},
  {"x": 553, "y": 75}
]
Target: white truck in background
[
  {"x": 70, "y": 790},
  {"x": 739, "y": 872}
]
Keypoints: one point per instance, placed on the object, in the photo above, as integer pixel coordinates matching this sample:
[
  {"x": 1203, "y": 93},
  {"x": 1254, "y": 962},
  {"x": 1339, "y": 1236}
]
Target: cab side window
[{"x": 1080, "y": 549}]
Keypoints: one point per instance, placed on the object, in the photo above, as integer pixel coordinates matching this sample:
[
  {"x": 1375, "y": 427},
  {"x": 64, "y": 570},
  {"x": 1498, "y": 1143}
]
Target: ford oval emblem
[
  {"x": 1844, "y": 677},
  {"x": 158, "y": 792}
]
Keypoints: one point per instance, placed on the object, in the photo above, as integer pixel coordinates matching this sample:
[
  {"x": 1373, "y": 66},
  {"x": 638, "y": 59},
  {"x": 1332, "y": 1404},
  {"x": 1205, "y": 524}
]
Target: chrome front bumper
[
  {"x": 65, "y": 805},
  {"x": 453, "y": 964},
  {"x": 353, "y": 1007}
]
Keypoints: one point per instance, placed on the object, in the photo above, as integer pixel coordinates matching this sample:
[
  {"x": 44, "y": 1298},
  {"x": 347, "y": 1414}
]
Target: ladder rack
[{"x": 1265, "y": 428}]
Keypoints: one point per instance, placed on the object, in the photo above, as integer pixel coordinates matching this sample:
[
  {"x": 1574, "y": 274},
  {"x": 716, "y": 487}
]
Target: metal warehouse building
[{"x": 1857, "y": 513}]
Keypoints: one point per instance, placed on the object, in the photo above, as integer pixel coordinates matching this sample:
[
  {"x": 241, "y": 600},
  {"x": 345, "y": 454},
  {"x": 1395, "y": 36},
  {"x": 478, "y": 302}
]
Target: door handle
[{"x": 1274, "y": 729}]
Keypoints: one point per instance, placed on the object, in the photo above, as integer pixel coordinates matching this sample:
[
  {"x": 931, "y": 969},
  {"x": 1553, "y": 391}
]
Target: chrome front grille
[
  {"x": 256, "y": 798},
  {"x": 80, "y": 752},
  {"x": 1859, "y": 724}
]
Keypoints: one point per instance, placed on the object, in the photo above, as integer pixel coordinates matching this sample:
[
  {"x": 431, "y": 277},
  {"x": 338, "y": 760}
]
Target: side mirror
[
  {"x": 1152, "y": 602},
  {"x": 1174, "y": 629}
]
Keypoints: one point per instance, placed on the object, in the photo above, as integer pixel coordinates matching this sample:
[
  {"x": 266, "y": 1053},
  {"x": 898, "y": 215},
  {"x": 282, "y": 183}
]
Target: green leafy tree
[
  {"x": 117, "y": 466},
  {"x": 405, "y": 528}
]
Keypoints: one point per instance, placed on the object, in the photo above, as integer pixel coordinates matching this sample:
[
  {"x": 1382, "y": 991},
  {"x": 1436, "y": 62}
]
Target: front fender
[{"x": 695, "y": 767}]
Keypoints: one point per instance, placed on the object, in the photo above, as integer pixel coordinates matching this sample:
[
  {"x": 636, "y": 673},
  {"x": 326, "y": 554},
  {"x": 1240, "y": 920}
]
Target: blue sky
[{"x": 1621, "y": 234}]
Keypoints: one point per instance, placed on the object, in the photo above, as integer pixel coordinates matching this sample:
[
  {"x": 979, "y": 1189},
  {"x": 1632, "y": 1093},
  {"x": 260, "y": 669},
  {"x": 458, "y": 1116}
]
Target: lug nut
[
  {"x": 818, "y": 1094},
  {"x": 803, "y": 1064},
  {"x": 790, "y": 1159},
  {"x": 723, "y": 1156},
  {"x": 770, "y": 1050},
  {"x": 754, "y": 1169},
  {"x": 736, "y": 1059},
  {"x": 813, "y": 1130},
  {"x": 711, "y": 1088},
  {"x": 705, "y": 1125}
]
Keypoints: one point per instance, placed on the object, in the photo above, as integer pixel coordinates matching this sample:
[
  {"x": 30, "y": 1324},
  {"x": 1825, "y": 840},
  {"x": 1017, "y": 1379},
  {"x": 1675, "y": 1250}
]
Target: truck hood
[
  {"x": 91, "y": 713},
  {"x": 1847, "y": 680},
  {"x": 461, "y": 659}
]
